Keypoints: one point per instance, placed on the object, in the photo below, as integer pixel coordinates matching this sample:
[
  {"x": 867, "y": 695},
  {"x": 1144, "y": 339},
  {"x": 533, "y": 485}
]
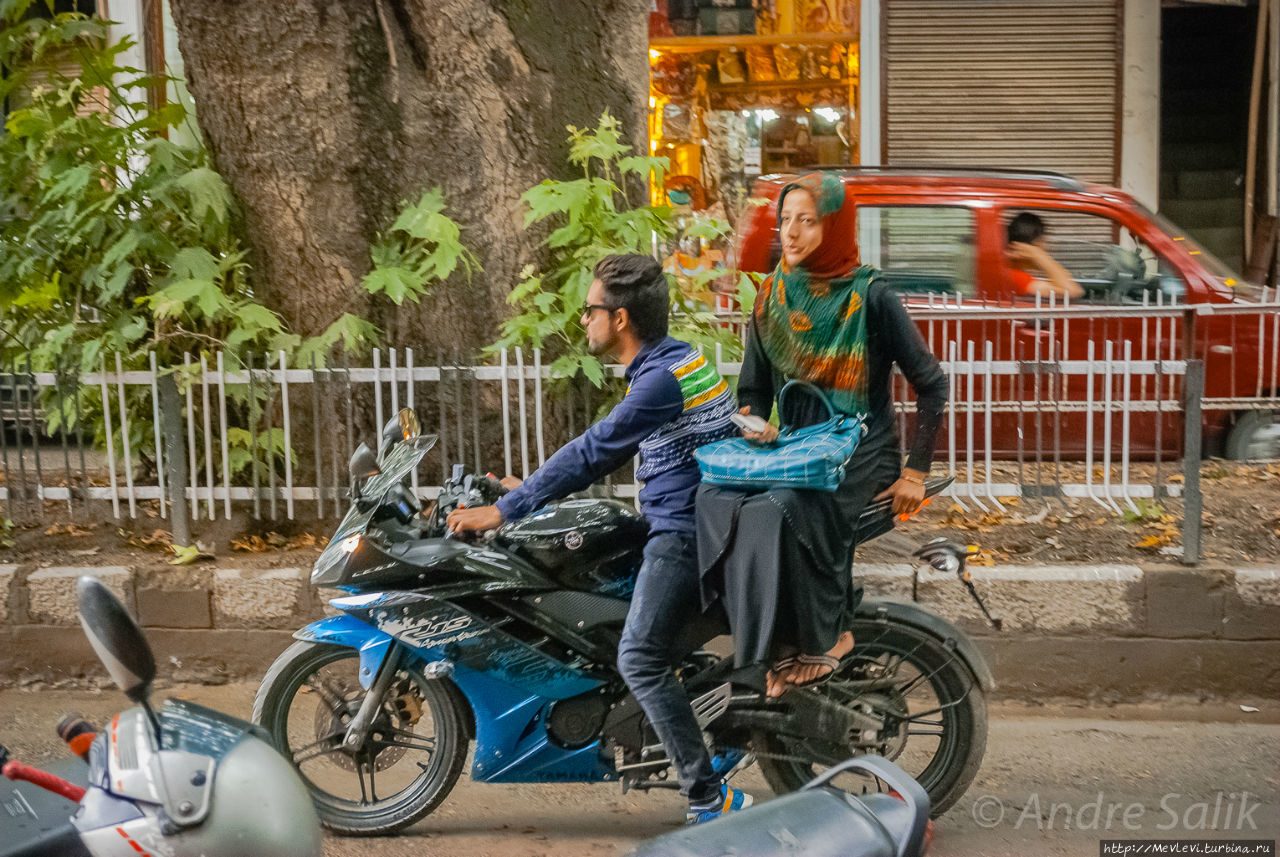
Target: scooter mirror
[
  {"x": 363, "y": 465},
  {"x": 116, "y": 638}
]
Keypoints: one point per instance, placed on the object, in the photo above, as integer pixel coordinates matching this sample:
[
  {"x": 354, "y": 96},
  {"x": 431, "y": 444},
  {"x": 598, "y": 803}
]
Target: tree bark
[{"x": 324, "y": 117}]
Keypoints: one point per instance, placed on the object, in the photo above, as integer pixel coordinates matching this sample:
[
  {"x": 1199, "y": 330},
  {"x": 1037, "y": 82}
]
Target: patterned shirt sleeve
[{"x": 654, "y": 399}]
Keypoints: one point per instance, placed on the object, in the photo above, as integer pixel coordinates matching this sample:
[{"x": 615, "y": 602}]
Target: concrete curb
[
  {"x": 51, "y": 592},
  {"x": 1113, "y": 630}
]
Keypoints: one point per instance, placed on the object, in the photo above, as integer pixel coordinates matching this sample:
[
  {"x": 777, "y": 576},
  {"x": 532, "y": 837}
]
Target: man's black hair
[
  {"x": 636, "y": 283},
  {"x": 1025, "y": 228}
]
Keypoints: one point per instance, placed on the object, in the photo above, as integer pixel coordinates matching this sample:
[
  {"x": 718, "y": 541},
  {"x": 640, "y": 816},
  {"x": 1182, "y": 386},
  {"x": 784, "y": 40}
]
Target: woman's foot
[
  {"x": 809, "y": 669},
  {"x": 775, "y": 680}
]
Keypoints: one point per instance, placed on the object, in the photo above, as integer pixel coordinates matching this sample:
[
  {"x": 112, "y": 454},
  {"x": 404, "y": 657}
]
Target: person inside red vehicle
[
  {"x": 1027, "y": 258},
  {"x": 779, "y": 560}
]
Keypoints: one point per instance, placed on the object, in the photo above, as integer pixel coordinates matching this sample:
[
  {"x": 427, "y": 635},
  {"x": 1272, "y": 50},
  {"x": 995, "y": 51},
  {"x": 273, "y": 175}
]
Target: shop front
[{"x": 740, "y": 89}]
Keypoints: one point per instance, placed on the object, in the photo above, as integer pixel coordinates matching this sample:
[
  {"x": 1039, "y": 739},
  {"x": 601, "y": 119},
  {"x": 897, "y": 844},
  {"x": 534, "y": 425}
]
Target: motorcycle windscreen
[{"x": 399, "y": 463}]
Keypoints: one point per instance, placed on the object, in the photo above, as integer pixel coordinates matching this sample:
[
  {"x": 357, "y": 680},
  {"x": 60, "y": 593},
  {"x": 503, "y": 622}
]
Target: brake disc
[{"x": 332, "y": 718}]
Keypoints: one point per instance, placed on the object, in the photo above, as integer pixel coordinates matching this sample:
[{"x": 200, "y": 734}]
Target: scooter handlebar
[{"x": 47, "y": 781}]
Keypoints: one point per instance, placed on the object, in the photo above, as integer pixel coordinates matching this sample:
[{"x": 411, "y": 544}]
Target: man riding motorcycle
[{"x": 675, "y": 402}]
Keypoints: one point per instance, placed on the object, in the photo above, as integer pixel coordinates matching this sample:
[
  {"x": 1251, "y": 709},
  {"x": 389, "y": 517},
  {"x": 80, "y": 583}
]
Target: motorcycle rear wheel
[
  {"x": 934, "y": 698},
  {"x": 305, "y": 701}
]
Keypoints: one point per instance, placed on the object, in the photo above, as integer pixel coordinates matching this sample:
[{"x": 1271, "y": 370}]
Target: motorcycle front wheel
[
  {"x": 933, "y": 709},
  {"x": 407, "y": 765}
]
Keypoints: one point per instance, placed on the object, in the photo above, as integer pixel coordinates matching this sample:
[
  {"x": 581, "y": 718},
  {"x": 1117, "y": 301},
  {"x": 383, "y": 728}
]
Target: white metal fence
[{"x": 1045, "y": 402}]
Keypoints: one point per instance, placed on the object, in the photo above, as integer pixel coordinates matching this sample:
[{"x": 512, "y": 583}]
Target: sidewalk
[{"x": 1102, "y": 632}]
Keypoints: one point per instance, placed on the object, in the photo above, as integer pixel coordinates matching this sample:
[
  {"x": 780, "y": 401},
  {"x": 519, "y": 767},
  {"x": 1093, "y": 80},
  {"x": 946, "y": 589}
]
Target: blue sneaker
[
  {"x": 731, "y": 800},
  {"x": 727, "y": 762}
]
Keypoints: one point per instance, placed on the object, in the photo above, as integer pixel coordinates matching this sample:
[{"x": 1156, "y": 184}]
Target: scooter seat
[{"x": 820, "y": 822}]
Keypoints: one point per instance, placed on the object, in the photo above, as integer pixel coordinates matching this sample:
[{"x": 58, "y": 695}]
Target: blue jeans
[{"x": 665, "y": 601}]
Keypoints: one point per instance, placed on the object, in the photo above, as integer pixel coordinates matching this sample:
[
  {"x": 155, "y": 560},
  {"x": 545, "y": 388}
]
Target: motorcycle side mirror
[
  {"x": 404, "y": 426},
  {"x": 363, "y": 465},
  {"x": 410, "y": 428},
  {"x": 116, "y": 639}
]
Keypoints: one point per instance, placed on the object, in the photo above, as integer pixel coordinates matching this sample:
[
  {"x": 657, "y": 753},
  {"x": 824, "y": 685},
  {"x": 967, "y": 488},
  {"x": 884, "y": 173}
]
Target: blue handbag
[{"x": 813, "y": 457}]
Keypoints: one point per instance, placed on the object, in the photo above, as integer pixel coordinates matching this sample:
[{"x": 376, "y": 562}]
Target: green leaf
[
  {"x": 123, "y": 247},
  {"x": 603, "y": 144},
  {"x": 208, "y": 194},
  {"x": 71, "y": 182},
  {"x": 182, "y": 295},
  {"x": 395, "y": 283},
  {"x": 592, "y": 369},
  {"x": 131, "y": 328},
  {"x": 193, "y": 263},
  {"x": 257, "y": 316},
  {"x": 418, "y": 220}
]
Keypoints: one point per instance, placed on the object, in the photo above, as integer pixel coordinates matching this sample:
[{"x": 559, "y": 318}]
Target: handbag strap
[{"x": 810, "y": 388}]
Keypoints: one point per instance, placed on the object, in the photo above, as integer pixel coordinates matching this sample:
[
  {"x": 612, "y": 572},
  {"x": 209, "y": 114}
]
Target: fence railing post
[
  {"x": 175, "y": 457},
  {"x": 1193, "y": 502}
]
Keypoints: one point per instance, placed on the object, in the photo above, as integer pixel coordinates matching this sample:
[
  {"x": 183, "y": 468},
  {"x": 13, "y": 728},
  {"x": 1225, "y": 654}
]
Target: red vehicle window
[
  {"x": 920, "y": 248},
  {"x": 1108, "y": 261}
]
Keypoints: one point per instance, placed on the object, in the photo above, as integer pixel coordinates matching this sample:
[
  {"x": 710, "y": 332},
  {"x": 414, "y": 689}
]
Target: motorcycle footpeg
[{"x": 712, "y": 704}]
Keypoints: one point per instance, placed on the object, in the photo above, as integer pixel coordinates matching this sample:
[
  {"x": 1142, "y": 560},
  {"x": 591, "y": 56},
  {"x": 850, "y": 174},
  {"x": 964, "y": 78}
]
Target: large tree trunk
[{"x": 325, "y": 116}]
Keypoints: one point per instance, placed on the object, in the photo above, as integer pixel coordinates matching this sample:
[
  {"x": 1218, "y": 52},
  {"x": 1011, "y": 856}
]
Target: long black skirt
[{"x": 780, "y": 560}]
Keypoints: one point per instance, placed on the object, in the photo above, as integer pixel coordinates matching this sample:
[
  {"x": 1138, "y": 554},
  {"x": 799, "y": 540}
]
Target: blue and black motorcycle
[{"x": 510, "y": 640}]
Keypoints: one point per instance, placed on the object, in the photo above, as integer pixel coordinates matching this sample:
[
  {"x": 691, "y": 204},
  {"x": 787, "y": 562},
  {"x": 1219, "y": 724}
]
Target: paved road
[{"x": 1161, "y": 767}]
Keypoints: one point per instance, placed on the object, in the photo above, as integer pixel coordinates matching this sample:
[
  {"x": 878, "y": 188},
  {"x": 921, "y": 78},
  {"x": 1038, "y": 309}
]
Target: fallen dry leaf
[
  {"x": 275, "y": 541},
  {"x": 250, "y": 544},
  {"x": 69, "y": 530},
  {"x": 162, "y": 539}
]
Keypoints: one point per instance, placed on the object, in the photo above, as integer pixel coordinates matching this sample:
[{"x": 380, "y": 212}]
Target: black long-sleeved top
[{"x": 892, "y": 337}]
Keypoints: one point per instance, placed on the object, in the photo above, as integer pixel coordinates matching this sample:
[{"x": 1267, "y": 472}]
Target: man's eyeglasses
[{"x": 588, "y": 309}]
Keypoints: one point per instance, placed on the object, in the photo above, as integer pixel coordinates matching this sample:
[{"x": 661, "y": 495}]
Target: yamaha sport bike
[{"x": 510, "y": 640}]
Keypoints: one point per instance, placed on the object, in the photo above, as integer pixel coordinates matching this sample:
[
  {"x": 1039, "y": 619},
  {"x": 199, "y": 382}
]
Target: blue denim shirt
[{"x": 676, "y": 401}]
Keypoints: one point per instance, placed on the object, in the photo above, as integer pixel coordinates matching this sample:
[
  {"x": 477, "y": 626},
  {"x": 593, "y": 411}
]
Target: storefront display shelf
[{"x": 708, "y": 43}]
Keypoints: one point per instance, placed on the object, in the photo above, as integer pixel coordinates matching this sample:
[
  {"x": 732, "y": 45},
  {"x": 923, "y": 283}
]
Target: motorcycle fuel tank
[{"x": 591, "y": 545}]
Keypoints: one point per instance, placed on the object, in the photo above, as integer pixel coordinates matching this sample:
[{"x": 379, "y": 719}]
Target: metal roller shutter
[{"x": 1012, "y": 83}]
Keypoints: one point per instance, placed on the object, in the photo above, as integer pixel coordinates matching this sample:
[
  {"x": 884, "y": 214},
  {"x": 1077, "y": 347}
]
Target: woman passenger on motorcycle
[{"x": 780, "y": 560}]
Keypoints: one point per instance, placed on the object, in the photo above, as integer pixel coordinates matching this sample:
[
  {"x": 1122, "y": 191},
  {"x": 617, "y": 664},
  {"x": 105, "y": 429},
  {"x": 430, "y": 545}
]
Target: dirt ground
[
  {"x": 1045, "y": 767},
  {"x": 1241, "y": 526}
]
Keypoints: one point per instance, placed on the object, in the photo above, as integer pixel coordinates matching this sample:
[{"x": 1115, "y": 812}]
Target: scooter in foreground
[
  {"x": 819, "y": 820},
  {"x": 183, "y": 781}
]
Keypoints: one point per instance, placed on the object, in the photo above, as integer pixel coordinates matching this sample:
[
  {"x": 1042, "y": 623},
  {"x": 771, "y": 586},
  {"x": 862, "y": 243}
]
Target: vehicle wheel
[
  {"x": 408, "y": 764},
  {"x": 934, "y": 713},
  {"x": 1256, "y": 435}
]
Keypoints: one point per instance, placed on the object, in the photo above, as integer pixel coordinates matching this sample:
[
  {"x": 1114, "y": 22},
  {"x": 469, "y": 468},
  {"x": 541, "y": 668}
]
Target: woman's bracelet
[{"x": 916, "y": 479}]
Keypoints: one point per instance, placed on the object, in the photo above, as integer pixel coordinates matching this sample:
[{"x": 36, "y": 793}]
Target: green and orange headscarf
[{"x": 812, "y": 318}]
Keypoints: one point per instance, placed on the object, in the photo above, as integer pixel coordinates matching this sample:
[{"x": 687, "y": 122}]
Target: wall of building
[{"x": 1140, "y": 102}]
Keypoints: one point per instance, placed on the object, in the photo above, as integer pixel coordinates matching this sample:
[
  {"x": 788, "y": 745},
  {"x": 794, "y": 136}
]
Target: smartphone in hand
[{"x": 749, "y": 422}]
